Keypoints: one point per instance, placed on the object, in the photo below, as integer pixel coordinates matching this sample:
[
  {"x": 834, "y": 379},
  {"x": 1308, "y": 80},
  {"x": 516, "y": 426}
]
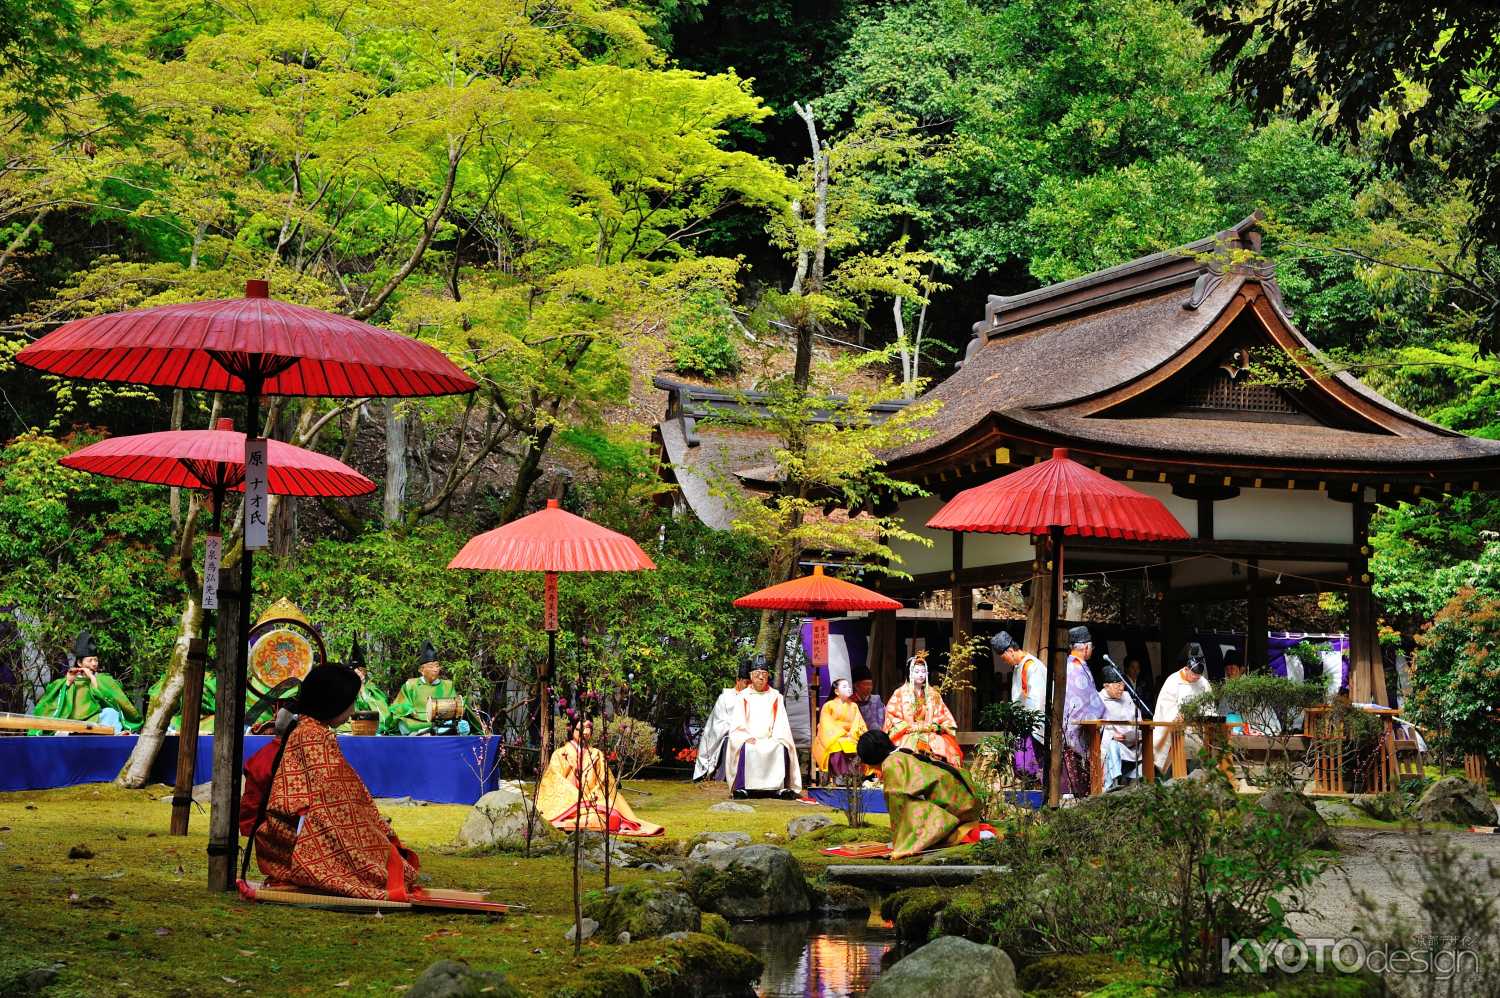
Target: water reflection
[{"x": 830, "y": 958}]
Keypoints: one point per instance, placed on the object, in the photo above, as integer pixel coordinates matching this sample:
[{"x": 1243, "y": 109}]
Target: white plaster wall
[
  {"x": 1284, "y": 515},
  {"x": 979, "y": 549}
]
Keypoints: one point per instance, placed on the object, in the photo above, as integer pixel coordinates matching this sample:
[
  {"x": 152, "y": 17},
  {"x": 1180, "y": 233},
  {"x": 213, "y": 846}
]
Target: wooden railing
[
  {"x": 1331, "y": 753},
  {"x": 1146, "y": 748}
]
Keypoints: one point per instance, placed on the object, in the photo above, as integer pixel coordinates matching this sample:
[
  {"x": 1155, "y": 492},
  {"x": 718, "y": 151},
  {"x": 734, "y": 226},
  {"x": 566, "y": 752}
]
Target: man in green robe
[
  {"x": 409, "y": 710},
  {"x": 86, "y": 693},
  {"x": 932, "y": 803},
  {"x": 206, "y": 705},
  {"x": 370, "y": 699}
]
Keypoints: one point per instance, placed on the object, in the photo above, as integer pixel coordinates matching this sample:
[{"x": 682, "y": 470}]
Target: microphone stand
[{"x": 1139, "y": 703}]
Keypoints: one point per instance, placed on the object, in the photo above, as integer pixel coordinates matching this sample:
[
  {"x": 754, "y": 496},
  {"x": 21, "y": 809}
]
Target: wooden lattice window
[{"x": 1220, "y": 391}]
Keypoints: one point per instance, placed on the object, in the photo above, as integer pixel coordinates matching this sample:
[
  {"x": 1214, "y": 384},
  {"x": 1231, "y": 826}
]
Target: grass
[{"x": 136, "y": 919}]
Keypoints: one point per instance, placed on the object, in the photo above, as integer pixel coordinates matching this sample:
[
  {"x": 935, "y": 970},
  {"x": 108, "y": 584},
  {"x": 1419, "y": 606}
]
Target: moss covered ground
[{"x": 136, "y": 919}]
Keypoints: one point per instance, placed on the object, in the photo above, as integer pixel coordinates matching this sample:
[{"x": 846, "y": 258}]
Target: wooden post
[
  {"x": 1257, "y": 644},
  {"x": 187, "y": 736},
  {"x": 963, "y": 627},
  {"x": 1057, "y": 673},
  {"x": 223, "y": 822},
  {"x": 1366, "y": 670},
  {"x": 1039, "y": 608}
]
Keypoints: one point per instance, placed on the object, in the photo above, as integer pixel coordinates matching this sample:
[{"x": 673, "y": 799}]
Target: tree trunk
[
  {"x": 137, "y": 768},
  {"x": 395, "y": 463}
]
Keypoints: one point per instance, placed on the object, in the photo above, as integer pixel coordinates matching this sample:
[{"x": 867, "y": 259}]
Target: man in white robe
[
  {"x": 1185, "y": 684},
  {"x": 762, "y": 755},
  {"x": 1028, "y": 686},
  {"x": 1119, "y": 745},
  {"x": 714, "y": 741}
]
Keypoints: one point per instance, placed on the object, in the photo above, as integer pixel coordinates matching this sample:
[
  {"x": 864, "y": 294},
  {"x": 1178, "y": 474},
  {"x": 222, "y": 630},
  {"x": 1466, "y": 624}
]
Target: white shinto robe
[
  {"x": 715, "y": 736},
  {"x": 771, "y": 759},
  {"x": 1174, "y": 693},
  {"x": 1033, "y": 675}
]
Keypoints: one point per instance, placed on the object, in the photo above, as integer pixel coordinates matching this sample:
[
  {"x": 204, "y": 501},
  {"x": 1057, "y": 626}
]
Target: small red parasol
[
  {"x": 817, "y": 593},
  {"x": 1058, "y": 498},
  {"x": 550, "y": 541},
  {"x": 212, "y": 460}
]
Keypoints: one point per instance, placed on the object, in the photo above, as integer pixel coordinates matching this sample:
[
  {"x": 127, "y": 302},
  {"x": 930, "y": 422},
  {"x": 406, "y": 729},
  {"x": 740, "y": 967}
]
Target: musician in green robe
[
  {"x": 409, "y": 711},
  {"x": 370, "y": 699},
  {"x": 206, "y": 705},
  {"x": 932, "y": 803},
  {"x": 87, "y": 693}
]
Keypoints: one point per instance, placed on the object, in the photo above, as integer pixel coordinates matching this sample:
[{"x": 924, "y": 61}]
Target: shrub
[
  {"x": 1455, "y": 685},
  {"x": 702, "y": 336},
  {"x": 1272, "y": 706}
]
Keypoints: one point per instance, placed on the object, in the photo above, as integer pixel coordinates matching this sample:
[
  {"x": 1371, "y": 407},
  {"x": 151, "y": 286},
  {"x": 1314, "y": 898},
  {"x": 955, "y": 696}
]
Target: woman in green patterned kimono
[
  {"x": 932, "y": 803},
  {"x": 87, "y": 694}
]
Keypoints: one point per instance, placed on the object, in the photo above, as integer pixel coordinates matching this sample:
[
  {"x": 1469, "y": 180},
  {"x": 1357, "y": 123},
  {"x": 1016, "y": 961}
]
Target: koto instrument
[
  {"x": 445, "y": 709},
  {"x": 431, "y": 898},
  {"x": 27, "y": 722}
]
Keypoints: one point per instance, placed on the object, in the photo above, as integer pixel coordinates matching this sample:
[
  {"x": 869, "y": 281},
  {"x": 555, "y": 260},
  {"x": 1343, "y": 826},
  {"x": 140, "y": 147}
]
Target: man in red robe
[{"x": 321, "y": 829}]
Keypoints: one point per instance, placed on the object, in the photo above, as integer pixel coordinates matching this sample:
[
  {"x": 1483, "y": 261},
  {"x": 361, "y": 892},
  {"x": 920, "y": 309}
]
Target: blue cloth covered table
[{"x": 444, "y": 770}]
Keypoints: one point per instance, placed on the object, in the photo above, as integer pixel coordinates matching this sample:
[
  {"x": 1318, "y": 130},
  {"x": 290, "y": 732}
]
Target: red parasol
[
  {"x": 211, "y": 461},
  {"x": 253, "y": 345},
  {"x": 1059, "y": 498},
  {"x": 817, "y": 593},
  {"x": 551, "y": 540},
  {"x": 214, "y": 460}
]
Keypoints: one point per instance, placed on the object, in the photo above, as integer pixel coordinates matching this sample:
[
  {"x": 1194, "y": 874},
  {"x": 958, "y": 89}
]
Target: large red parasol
[
  {"x": 550, "y": 541},
  {"x": 1058, "y": 498},
  {"x": 214, "y": 460},
  {"x": 211, "y": 461},
  {"x": 252, "y": 345},
  {"x": 817, "y": 593}
]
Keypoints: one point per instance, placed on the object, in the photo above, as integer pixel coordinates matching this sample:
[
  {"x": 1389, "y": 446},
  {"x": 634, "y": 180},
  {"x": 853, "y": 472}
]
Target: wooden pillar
[
  {"x": 962, "y": 702},
  {"x": 1173, "y": 636},
  {"x": 1039, "y": 606},
  {"x": 1366, "y": 670},
  {"x": 1057, "y": 670},
  {"x": 187, "y": 736},
  {"x": 892, "y": 666},
  {"x": 223, "y": 822},
  {"x": 1257, "y": 645}
]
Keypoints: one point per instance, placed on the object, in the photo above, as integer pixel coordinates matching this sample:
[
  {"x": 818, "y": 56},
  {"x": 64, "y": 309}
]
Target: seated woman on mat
[
  {"x": 834, "y": 750},
  {"x": 313, "y": 823},
  {"x": 557, "y": 797},
  {"x": 932, "y": 804}
]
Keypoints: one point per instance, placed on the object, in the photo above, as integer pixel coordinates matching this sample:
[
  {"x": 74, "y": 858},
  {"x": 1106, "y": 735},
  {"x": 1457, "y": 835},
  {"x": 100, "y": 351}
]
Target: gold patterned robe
[
  {"x": 322, "y": 829},
  {"x": 923, "y": 724},
  {"x": 557, "y": 796},
  {"x": 931, "y": 806}
]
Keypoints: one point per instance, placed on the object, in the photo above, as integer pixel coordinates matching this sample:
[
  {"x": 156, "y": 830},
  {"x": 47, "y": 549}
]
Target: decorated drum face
[
  {"x": 280, "y": 655},
  {"x": 445, "y": 708}
]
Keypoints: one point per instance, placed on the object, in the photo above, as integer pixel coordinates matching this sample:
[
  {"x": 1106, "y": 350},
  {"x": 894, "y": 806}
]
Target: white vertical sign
[
  {"x": 212, "y": 549},
  {"x": 257, "y": 498}
]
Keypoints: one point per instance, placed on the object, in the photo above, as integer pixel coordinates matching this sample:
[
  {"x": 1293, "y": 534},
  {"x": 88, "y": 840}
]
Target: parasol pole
[
  {"x": 1057, "y": 678},
  {"x": 549, "y": 621},
  {"x": 192, "y": 703}
]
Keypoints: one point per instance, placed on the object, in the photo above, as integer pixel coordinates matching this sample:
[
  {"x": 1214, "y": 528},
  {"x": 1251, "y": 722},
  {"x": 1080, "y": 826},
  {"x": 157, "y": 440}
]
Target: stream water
[{"x": 827, "y": 958}]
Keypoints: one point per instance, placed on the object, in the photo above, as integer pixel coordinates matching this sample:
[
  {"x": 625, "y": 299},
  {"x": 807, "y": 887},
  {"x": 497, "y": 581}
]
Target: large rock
[
  {"x": 732, "y": 807},
  {"x": 751, "y": 882},
  {"x": 452, "y": 979},
  {"x": 705, "y": 844},
  {"x": 798, "y": 827},
  {"x": 589, "y": 928},
  {"x": 1381, "y": 807},
  {"x": 1456, "y": 800},
  {"x": 1298, "y": 814},
  {"x": 950, "y": 967},
  {"x": 644, "y": 910},
  {"x": 498, "y": 821}
]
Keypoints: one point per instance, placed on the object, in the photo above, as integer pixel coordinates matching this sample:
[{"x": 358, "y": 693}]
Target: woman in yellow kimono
[
  {"x": 557, "y": 798},
  {"x": 840, "y": 724},
  {"x": 916, "y": 717}
]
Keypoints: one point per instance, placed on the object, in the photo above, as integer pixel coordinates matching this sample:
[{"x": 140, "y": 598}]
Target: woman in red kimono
[{"x": 321, "y": 829}]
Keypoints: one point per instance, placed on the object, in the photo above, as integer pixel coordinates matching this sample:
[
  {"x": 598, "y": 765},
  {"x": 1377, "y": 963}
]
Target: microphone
[{"x": 1111, "y": 671}]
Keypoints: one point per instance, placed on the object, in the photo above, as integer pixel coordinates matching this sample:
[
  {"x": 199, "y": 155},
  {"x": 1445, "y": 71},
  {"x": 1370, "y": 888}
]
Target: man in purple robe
[{"x": 1082, "y": 703}]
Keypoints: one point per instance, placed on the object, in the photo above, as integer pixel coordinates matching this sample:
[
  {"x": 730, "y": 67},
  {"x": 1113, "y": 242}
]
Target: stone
[
  {"x": 839, "y": 900},
  {"x": 454, "y": 979},
  {"x": 1337, "y": 810},
  {"x": 589, "y": 928},
  {"x": 498, "y": 821},
  {"x": 80, "y": 852},
  {"x": 623, "y": 939},
  {"x": 643, "y": 910},
  {"x": 1456, "y": 800},
  {"x": 732, "y": 807},
  {"x": 798, "y": 827},
  {"x": 950, "y": 967},
  {"x": 1381, "y": 807},
  {"x": 1298, "y": 813},
  {"x": 752, "y": 882},
  {"x": 705, "y": 844}
]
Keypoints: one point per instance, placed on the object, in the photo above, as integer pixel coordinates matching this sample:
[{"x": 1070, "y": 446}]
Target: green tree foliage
[{"x": 1456, "y": 684}]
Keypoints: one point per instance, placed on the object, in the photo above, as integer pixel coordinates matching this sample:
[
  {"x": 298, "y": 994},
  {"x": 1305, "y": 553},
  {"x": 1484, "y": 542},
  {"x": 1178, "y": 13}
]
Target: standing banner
[
  {"x": 212, "y": 549},
  {"x": 257, "y": 498}
]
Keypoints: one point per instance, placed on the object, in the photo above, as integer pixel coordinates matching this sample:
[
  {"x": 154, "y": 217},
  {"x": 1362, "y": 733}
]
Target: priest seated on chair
[{"x": 762, "y": 756}]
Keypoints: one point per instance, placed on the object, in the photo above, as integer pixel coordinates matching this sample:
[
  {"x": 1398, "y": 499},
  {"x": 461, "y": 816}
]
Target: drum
[
  {"x": 364, "y": 722},
  {"x": 279, "y": 655},
  {"x": 445, "y": 709}
]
